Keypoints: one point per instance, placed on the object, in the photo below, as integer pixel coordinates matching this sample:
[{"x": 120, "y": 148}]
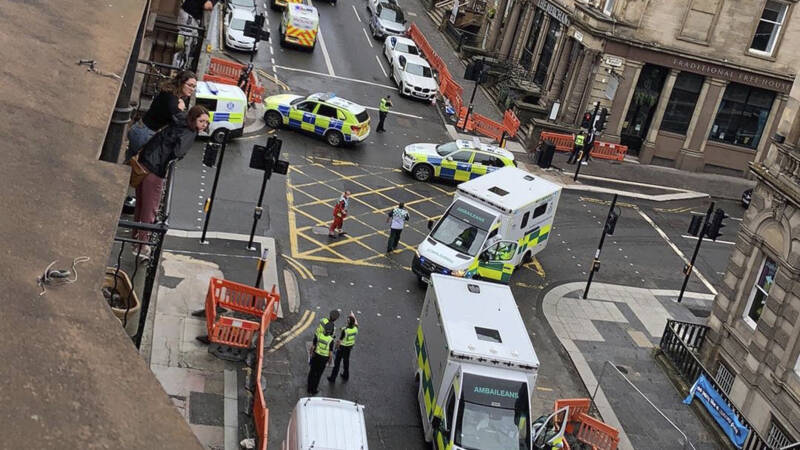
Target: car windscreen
[
  {"x": 418, "y": 70},
  {"x": 405, "y": 48},
  {"x": 463, "y": 228},
  {"x": 446, "y": 149},
  {"x": 493, "y": 414},
  {"x": 392, "y": 15},
  {"x": 296, "y": 101},
  {"x": 237, "y": 24}
]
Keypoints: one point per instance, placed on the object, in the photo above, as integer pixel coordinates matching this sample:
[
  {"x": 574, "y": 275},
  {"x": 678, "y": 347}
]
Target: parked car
[
  {"x": 459, "y": 160},
  {"x": 234, "y": 30},
  {"x": 386, "y": 20},
  {"x": 746, "y": 196},
  {"x": 394, "y": 45},
  {"x": 413, "y": 76},
  {"x": 333, "y": 118},
  {"x": 247, "y": 5}
]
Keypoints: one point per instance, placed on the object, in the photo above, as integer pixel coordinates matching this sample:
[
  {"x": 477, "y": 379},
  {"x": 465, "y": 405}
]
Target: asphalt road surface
[{"x": 354, "y": 272}]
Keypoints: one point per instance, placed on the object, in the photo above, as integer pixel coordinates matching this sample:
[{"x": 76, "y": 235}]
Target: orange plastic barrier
[
  {"x": 260, "y": 410},
  {"x": 510, "y": 123},
  {"x": 563, "y": 142},
  {"x": 231, "y": 331},
  {"x": 228, "y": 72},
  {"x": 576, "y": 406},
  {"x": 605, "y": 150},
  {"x": 596, "y": 433}
]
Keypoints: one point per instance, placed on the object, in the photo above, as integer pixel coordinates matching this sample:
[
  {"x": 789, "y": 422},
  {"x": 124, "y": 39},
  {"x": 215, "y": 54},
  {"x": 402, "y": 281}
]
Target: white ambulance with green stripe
[
  {"x": 476, "y": 368},
  {"x": 496, "y": 223}
]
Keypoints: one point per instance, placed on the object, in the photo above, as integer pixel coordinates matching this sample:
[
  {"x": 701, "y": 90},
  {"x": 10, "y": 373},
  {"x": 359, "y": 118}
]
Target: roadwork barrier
[
  {"x": 228, "y": 72},
  {"x": 600, "y": 150}
]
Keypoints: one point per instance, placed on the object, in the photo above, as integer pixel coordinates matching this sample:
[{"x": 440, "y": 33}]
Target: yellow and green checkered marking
[
  {"x": 456, "y": 170},
  {"x": 442, "y": 441}
]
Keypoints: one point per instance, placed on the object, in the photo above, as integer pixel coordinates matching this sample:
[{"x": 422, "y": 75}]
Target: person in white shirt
[{"x": 397, "y": 220}]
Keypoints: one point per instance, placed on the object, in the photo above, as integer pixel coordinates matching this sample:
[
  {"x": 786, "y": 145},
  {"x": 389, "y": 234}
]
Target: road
[{"x": 354, "y": 273}]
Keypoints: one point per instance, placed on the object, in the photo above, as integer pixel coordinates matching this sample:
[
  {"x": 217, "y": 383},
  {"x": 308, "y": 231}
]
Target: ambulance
[
  {"x": 299, "y": 25},
  {"x": 226, "y": 104},
  {"x": 476, "y": 368},
  {"x": 496, "y": 222}
]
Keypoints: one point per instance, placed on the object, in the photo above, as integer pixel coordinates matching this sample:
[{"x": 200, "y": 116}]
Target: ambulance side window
[
  {"x": 448, "y": 413},
  {"x": 525, "y": 219},
  {"x": 327, "y": 111},
  {"x": 541, "y": 209},
  {"x": 209, "y": 103}
]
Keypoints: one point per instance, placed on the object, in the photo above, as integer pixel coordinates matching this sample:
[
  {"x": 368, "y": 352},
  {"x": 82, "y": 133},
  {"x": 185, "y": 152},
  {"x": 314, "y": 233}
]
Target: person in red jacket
[{"x": 339, "y": 213}]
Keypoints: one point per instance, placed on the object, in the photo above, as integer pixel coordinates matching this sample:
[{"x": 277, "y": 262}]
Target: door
[
  {"x": 457, "y": 165},
  {"x": 497, "y": 261},
  {"x": 302, "y": 116},
  {"x": 443, "y": 426},
  {"x": 327, "y": 117},
  {"x": 642, "y": 107},
  {"x": 484, "y": 163}
]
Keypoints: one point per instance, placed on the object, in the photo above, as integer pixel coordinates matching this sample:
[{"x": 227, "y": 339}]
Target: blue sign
[{"x": 718, "y": 408}]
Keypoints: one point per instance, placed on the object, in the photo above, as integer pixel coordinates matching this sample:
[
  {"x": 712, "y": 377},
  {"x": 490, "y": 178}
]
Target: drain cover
[{"x": 622, "y": 369}]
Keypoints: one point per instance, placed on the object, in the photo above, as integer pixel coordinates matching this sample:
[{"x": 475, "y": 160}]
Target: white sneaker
[{"x": 585, "y": 163}]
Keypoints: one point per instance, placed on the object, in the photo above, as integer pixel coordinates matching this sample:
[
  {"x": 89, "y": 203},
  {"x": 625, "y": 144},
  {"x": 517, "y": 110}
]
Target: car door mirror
[{"x": 430, "y": 224}]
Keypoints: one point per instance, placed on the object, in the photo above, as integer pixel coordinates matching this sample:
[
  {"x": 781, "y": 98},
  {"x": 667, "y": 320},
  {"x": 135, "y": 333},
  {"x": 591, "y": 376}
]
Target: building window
[
  {"x": 547, "y": 52},
  {"x": 758, "y": 297},
  {"x": 533, "y": 36},
  {"x": 777, "y": 438},
  {"x": 608, "y": 8},
  {"x": 742, "y": 115},
  {"x": 769, "y": 27},
  {"x": 682, "y": 101},
  {"x": 724, "y": 378}
]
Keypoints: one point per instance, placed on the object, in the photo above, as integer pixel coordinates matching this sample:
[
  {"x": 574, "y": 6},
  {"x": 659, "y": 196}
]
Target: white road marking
[
  {"x": 337, "y": 77},
  {"x": 678, "y": 251},
  {"x": 688, "y": 236},
  {"x": 271, "y": 52},
  {"x": 381, "y": 66},
  {"x": 369, "y": 41},
  {"x": 356, "y": 11},
  {"x": 325, "y": 54},
  {"x": 397, "y": 113},
  {"x": 411, "y": 14},
  {"x": 272, "y": 60}
]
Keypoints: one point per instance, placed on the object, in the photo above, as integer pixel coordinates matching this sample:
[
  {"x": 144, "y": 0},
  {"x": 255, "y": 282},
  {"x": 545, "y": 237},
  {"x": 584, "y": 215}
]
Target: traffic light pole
[
  {"x": 690, "y": 267},
  {"x": 469, "y": 109},
  {"x": 210, "y": 200},
  {"x": 259, "y": 210},
  {"x": 596, "y": 260},
  {"x": 587, "y": 143}
]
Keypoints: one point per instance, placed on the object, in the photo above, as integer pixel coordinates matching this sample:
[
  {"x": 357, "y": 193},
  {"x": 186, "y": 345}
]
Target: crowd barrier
[
  {"x": 260, "y": 410},
  {"x": 600, "y": 150},
  {"x": 228, "y": 72},
  {"x": 586, "y": 429}
]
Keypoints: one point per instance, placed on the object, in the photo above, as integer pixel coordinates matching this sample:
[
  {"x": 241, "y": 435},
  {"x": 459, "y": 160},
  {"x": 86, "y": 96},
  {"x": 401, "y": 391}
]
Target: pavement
[{"x": 610, "y": 337}]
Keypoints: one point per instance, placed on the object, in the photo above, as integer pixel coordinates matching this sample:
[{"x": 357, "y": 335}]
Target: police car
[
  {"x": 459, "y": 160},
  {"x": 337, "y": 120}
]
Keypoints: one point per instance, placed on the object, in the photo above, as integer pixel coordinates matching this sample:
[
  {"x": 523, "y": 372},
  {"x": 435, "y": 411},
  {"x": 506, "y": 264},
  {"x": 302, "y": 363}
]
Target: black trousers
[
  {"x": 381, "y": 117},
  {"x": 342, "y": 357},
  {"x": 573, "y": 157},
  {"x": 315, "y": 372},
  {"x": 394, "y": 239}
]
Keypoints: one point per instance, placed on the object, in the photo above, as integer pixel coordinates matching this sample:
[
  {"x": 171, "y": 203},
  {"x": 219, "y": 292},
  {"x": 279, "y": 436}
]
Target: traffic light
[
  {"x": 602, "y": 118},
  {"x": 251, "y": 29},
  {"x": 587, "y": 120},
  {"x": 476, "y": 71},
  {"x": 611, "y": 222},
  {"x": 273, "y": 152},
  {"x": 210, "y": 154},
  {"x": 716, "y": 224},
  {"x": 694, "y": 226}
]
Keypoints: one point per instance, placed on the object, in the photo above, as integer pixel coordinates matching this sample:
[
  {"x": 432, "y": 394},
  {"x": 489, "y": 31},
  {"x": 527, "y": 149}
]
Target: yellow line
[
  {"x": 301, "y": 267},
  {"x": 324, "y": 246},
  {"x": 295, "y": 333},
  {"x": 303, "y": 318},
  {"x": 542, "y": 388},
  {"x": 336, "y": 260},
  {"x": 296, "y": 268},
  {"x": 292, "y": 223}
]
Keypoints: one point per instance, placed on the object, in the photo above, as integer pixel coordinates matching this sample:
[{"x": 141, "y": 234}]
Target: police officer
[
  {"x": 383, "y": 111},
  {"x": 332, "y": 316},
  {"x": 321, "y": 351},
  {"x": 347, "y": 340},
  {"x": 580, "y": 139}
]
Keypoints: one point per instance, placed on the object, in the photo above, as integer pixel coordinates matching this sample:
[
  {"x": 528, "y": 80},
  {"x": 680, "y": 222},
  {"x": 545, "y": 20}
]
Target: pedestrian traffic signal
[
  {"x": 210, "y": 154},
  {"x": 602, "y": 118},
  {"x": 694, "y": 226},
  {"x": 611, "y": 222},
  {"x": 716, "y": 224},
  {"x": 587, "y": 120}
]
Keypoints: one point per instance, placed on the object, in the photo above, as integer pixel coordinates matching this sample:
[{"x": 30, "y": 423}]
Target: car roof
[
  {"x": 388, "y": 5},
  {"x": 246, "y": 14},
  {"x": 414, "y": 59},
  {"x": 332, "y": 99},
  {"x": 404, "y": 40},
  {"x": 487, "y": 148}
]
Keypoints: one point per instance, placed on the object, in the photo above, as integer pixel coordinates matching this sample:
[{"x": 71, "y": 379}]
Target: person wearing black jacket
[{"x": 168, "y": 145}]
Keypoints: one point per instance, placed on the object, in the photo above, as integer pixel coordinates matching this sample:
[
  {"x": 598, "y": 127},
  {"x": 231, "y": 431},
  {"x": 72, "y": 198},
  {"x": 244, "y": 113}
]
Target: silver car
[{"x": 386, "y": 20}]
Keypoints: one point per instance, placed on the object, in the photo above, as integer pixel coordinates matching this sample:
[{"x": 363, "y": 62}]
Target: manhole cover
[
  {"x": 319, "y": 271},
  {"x": 319, "y": 230},
  {"x": 622, "y": 369}
]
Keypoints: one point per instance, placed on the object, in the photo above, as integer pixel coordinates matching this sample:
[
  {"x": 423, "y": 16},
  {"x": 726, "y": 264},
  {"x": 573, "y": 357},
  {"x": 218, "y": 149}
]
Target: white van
[
  {"x": 299, "y": 25},
  {"x": 326, "y": 423},
  {"x": 496, "y": 222},
  {"x": 226, "y": 104}
]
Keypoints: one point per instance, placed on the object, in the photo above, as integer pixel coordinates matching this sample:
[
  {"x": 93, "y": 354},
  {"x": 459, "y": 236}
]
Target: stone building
[
  {"x": 692, "y": 84},
  {"x": 753, "y": 345}
]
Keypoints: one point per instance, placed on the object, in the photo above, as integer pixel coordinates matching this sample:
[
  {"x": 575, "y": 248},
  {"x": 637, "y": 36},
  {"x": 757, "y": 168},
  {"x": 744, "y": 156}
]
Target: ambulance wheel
[
  {"x": 220, "y": 135},
  {"x": 422, "y": 172},
  {"x": 334, "y": 138},
  {"x": 526, "y": 258},
  {"x": 273, "y": 119}
]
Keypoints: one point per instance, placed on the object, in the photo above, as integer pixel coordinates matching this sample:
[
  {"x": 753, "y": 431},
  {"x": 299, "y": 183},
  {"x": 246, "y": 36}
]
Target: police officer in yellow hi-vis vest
[
  {"x": 346, "y": 342},
  {"x": 321, "y": 351},
  {"x": 580, "y": 139},
  {"x": 383, "y": 111},
  {"x": 332, "y": 316}
]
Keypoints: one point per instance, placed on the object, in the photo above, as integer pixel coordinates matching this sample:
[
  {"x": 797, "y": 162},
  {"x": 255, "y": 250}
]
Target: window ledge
[
  {"x": 760, "y": 55},
  {"x": 671, "y": 133},
  {"x": 733, "y": 147},
  {"x": 693, "y": 41}
]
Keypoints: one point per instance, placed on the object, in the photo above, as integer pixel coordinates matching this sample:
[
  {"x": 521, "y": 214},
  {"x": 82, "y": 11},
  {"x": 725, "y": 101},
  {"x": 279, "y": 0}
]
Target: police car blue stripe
[
  {"x": 336, "y": 124},
  {"x": 319, "y": 130},
  {"x": 447, "y": 173},
  {"x": 463, "y": 166},
  {"x": 434, "y": 160},
  {"x": 221, "y": 117},
  {"x": 294, "y": 123},
  {"x": 283, "y": 109},
  {"x": 308, "y": 118}
]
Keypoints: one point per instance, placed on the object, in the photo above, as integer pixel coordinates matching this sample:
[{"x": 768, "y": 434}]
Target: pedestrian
[
  {"x": 168, "y": 145},
  {"x": 344, "y": 346},
  {"x": 577, "y": 148},
  {"x": 383, "y": 111},
  {"x": 191, "y": 15},
  {"x": 321, "y": 351},
  {"x": 332, "y": 316},
  {"x": 175, "y": 94},
  {"x": 397, "y": 221},
  {"x": 339, "y": 213}
]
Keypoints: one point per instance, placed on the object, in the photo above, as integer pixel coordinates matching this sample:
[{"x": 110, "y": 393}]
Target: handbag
[{"x": 138, "y": 171}]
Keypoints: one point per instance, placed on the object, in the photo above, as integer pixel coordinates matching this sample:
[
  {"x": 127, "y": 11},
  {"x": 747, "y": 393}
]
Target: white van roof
[
  {"x": 301, "y": 10},
  {"x": 208, "y": 89},
  {"x": 330, "y": 424},
  {"x": 509, "y": 188},
  {"x": 478, "y": 314}
]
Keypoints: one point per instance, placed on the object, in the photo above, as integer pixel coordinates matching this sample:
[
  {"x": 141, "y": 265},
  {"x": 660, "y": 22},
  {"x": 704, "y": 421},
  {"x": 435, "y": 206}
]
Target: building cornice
[{"x": 785, "y": 182}]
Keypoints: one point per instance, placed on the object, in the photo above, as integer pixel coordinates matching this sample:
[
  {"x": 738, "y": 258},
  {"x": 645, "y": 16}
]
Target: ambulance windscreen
[
  {"x": 463, "y": 228},
  {"x": 493, "y": 414}
]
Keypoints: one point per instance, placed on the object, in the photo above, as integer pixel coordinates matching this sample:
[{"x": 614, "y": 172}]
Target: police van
[
  {"x": 496, "y": 222},
  {"x": 226, "y": 106},
  {"x": 299, "y": 26},
  {"x": 475, "y": 365}
]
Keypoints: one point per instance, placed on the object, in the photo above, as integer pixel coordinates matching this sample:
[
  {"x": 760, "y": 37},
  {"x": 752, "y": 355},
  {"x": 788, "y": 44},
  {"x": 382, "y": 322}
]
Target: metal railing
[
  {"x": 680, "y": 343},
  {"x": 460, "y": 37}
]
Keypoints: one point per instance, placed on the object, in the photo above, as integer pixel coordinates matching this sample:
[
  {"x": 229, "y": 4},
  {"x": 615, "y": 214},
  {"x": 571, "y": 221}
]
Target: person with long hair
[
  {"x": 168, "y": 145},
  {"x": 174, "y": 96}
]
